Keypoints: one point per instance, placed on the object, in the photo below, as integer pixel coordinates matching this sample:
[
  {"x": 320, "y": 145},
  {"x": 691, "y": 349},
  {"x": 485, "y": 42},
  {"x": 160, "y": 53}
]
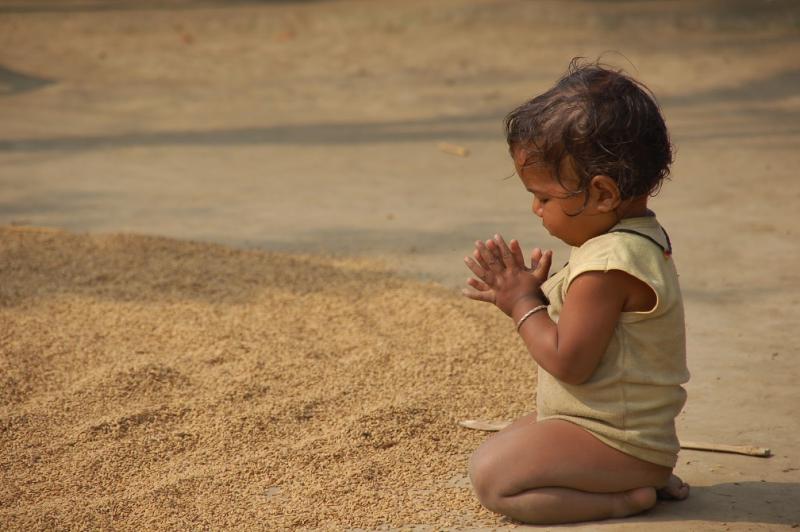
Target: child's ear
[{"x": 605, "y": 192}]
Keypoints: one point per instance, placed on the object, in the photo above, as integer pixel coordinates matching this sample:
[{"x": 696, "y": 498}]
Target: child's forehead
[
  {"x": 538, "y": 175},
  {"x": 520, "y": 156},
  {"x": 528, "y": 162},
  {"x": 538, "y": 180}
]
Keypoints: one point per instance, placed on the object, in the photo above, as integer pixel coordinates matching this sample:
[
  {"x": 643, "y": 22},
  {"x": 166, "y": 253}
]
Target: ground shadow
[
  {"x": 455, "y": 128},
  {"x": 138, "y": 5},
  {"x": 13, "y": 82},
  {"x": 736, "y": 502},
  {"x": 340, "y": 133},
  {"x": 771, "y": 503},
  {"x": 783, "y": 84}
]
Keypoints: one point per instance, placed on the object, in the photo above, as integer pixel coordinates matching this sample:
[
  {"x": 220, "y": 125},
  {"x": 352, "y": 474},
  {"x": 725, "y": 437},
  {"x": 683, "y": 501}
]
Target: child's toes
[{"x": 675, "y": 490}]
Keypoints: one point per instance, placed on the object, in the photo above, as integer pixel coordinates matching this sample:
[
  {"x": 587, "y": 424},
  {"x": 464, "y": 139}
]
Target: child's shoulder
[
  {"x": 630, "y": 237},
  {"x": 638, "y": 246}
]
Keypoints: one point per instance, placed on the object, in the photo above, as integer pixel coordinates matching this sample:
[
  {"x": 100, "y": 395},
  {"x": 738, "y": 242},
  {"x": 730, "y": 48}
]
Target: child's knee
[{"x": 483, "y": 475}]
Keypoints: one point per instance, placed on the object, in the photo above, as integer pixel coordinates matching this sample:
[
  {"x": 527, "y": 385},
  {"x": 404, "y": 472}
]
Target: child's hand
[{"x": 503, "y": 278}]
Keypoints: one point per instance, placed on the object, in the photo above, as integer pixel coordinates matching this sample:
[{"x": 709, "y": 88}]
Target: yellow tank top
[{"x": 631, "y": 400}]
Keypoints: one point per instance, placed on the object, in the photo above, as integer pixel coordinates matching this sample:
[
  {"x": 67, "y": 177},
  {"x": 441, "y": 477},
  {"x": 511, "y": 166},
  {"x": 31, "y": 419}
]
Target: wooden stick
[
  {"x": 453, "y": 149},
  {"x": 482, "y": 424},
  {"x": 749, "y": 450}
]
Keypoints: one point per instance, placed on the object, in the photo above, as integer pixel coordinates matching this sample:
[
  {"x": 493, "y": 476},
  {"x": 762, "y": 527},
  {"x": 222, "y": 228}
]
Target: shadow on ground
[{"x": 736, "y": 502}]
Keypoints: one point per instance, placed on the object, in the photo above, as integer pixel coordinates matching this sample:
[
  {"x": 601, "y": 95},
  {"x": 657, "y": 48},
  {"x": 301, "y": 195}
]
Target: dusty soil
[{"x": 312, "y": 128}]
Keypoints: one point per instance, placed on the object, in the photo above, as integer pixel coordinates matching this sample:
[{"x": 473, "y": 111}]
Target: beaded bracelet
[{"x": 528, "y": 314}]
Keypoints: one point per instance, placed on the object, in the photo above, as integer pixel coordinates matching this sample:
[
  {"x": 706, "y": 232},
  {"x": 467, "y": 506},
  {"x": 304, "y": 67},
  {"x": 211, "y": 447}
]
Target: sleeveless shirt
[{"x": 631, "y": 400}]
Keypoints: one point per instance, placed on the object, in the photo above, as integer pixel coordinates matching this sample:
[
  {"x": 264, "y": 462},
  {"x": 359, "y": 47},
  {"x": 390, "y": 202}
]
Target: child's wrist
[{"x": 526, "y": 303}]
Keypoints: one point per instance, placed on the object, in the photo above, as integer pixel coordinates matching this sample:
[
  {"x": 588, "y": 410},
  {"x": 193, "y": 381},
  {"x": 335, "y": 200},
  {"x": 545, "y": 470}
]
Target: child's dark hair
[{"x": 595, "y": 121}]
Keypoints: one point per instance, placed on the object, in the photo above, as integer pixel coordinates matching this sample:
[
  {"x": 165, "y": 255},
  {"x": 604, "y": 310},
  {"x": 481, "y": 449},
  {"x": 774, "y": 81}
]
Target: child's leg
[{"x": 557, "y": 472}]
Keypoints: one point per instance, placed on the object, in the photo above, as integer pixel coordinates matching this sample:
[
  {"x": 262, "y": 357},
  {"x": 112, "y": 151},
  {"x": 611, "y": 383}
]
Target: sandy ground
[{"x": 312, "y": 128}]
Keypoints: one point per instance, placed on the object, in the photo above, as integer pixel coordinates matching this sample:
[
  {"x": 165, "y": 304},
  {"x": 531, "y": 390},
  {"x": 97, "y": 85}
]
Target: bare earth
[{"x": 290, "y": 351}]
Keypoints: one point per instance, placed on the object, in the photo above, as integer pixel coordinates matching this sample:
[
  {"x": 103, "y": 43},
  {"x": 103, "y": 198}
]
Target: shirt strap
[{"x": 667, "y": 250}]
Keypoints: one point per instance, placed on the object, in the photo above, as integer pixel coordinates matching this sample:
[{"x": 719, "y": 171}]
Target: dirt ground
[{"x": 314, "y": 128}]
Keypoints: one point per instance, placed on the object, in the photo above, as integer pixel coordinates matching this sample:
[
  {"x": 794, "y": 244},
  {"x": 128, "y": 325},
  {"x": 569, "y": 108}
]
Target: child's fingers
[
  {"x": 536, "y": 256},
  {"x": 485, "y": 296},
  {"x": 543, "y": 268},
  {"x": 491, "y": 245},
  {"x": 479, "y": 253},
  {"x": 488, "y": 256},
  {"x": 505, "y": 253},
  {"x": 476, "y": 255},
  {"x": 477, "y": 284},
  {"x": 516, "y": 251},
  {"x": 477, "y": 269}
]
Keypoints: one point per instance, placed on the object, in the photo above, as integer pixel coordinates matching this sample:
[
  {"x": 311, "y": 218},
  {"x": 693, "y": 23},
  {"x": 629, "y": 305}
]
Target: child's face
[{"x": 566, "y": 216}]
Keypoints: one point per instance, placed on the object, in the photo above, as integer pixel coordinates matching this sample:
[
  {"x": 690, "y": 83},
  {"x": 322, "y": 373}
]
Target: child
[{"x": 607, "y": 331}]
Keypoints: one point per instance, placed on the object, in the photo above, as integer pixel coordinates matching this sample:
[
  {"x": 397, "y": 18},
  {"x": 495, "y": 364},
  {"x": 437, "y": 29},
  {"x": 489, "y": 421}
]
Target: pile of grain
[{"x": 152, "y": 383}]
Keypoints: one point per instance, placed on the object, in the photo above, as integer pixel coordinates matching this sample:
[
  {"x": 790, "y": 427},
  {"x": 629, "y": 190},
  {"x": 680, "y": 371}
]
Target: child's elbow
[
  {"x": 571, "y": 372},
  {"x": 570, "y": 376}
]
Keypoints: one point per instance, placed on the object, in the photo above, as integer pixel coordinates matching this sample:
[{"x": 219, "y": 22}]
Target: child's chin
[
  {"x": 559, "y": 236},
  {"x": 567, "y": 240},
  {"x": 555, "y": 235}
]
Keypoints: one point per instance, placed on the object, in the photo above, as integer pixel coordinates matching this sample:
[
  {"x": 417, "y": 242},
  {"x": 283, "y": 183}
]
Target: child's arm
[{"x": 571, "y": 349}]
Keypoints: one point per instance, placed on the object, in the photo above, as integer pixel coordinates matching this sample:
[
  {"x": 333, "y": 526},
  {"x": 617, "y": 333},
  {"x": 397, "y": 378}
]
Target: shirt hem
[{"x": 653, "y": 456}]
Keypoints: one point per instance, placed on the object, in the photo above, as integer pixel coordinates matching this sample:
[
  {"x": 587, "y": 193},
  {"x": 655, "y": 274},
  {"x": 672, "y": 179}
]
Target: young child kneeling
[{"x": 607, "y": 330}]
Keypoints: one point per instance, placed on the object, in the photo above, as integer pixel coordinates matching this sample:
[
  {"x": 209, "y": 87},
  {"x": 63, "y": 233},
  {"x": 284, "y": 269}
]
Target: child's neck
[{"x": 633, "y": 208}]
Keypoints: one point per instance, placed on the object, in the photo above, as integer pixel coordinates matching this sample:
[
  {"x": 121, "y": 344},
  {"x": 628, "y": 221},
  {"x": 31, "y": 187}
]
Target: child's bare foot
[
  {"x": 675, "y": 490},
  {"x": 635, "y": 501}
]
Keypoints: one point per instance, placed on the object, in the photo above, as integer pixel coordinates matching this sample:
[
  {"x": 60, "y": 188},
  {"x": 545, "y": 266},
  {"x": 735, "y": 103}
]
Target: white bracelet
[{"x": 528, "y": 314}]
